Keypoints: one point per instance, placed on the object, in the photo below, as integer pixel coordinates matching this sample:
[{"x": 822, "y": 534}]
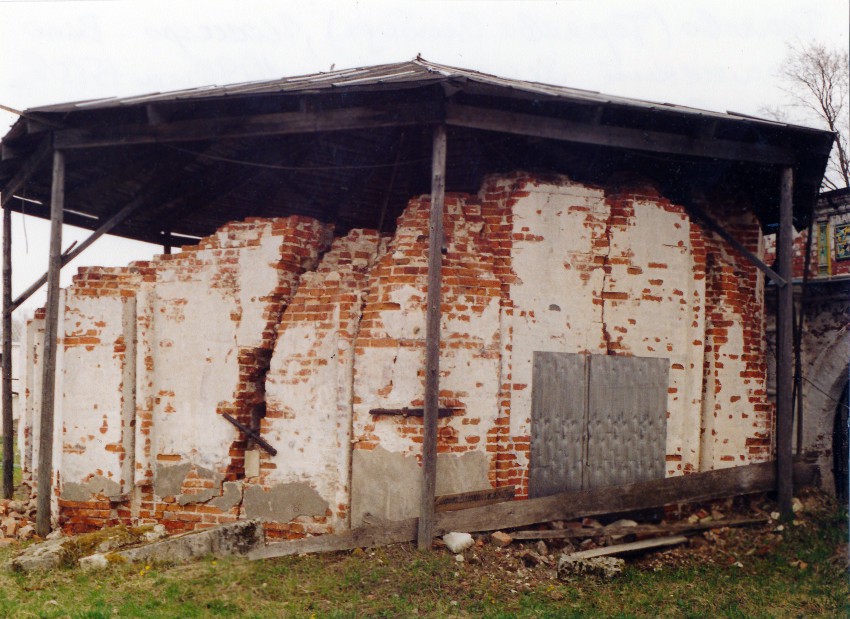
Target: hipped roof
[{"x": 351, "y": 146}]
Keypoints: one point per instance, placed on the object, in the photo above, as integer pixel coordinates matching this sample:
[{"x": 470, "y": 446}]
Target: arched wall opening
[{"x": 825, "y": 383}]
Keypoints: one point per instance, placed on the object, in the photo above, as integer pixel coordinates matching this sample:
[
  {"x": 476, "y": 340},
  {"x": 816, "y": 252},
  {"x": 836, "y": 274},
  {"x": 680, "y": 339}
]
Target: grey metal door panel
[
  {"x": 558, "y": 396},
  {"x": 626, "y": 420},
  {"x": 596, "y": 421}
]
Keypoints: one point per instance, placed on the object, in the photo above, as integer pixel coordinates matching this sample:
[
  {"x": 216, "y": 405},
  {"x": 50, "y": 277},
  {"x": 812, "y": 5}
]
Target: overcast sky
[{"x": 718, "y": 54}]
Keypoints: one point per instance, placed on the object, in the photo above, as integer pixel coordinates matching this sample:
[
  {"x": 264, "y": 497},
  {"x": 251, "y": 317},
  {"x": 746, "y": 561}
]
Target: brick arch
[{"x": 829, "y": 373}]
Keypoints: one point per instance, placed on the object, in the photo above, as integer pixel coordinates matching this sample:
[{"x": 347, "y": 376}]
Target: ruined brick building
[
  {"x": 825, "y": 340},
  {"x": 595, "y": 327}
]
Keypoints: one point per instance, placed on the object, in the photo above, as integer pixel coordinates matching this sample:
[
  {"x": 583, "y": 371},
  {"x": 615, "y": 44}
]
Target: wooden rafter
[{"x": 282, "y": 123}]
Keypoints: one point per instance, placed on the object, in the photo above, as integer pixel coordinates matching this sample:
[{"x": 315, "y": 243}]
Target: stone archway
[{"x": 827, "y": 377}]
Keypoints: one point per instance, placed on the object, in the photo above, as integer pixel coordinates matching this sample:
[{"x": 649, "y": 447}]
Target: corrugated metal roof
[{"x": 417, "y": 71}]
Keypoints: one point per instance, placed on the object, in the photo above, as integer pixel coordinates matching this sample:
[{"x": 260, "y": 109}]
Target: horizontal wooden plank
[
  {"x": 489, "y": 119},
  {"x": 640, "y": 495},
  {"x": 647, "y": 544},
  {"x": 476, "y": 498},
  {"x": 641, "y": 529},
  {"x": 391, "y": 532},
  {"x": 281, "y": 123},
  {"x": 717, "y": 484}
]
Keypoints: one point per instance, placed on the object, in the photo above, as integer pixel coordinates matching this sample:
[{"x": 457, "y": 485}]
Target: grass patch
[{"x": 401, "y": 582}]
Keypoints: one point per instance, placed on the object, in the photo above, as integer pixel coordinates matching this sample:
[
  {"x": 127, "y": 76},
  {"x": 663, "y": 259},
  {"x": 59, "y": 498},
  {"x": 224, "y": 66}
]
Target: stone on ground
[
  {"x": 94, "y": 562},
  {"x": 40, "y": 557},
  {"x": 458, "y": 542},
  {"x": 500, "y": 539},
  {"x": 237, "y": 538}
]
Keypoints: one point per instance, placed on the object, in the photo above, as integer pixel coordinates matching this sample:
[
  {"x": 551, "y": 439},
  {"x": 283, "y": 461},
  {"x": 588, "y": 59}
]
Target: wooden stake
[
  {"x": 51, "y": 333},
  {"x": 8, "y": 427},
  {"x": 432, "y": 341},
  {"x": 785, "y": 348}
]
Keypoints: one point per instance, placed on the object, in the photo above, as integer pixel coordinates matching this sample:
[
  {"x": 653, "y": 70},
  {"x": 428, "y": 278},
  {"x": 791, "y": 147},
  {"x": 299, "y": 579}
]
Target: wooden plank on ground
[
  {"x": 639, "y": 495},
  {"x": 641, "y": 529},
  {"x": 476, "y": 498},
  {"x": 391, "y": 532},
  {"x": 646, "y": 544},
  {"x": 695, "y": 487}
]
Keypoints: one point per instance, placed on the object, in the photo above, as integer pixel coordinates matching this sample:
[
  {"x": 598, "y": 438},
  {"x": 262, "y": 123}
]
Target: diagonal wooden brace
[{"x": 251, "y": 434}]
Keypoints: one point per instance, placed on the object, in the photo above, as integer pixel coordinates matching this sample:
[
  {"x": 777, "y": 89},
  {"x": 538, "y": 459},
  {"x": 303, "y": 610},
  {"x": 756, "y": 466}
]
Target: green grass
[{"x": 401, "y": 582}]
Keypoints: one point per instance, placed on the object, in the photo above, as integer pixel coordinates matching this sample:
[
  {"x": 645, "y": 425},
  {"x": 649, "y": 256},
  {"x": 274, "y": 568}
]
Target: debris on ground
[
  {"x": 17, "y": 519},
  {"x": 66, "y": 551},
  {"x": 725, "y": 532},
  {"x": 500, "y": 539},
  {"x": 603, "y": 568},
  {"x": 149, "y": 543},
  {"x": 458, "y": 542}
]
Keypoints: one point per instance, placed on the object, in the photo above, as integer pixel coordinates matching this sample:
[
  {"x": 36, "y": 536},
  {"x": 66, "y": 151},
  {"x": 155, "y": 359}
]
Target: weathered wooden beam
[
  {"x": 74, "y": 251},
  {"x": 25, "y": 172},
  {"x": 518, "y": 123},
  {"x": 8, "y": 426},
  {"x": 49, "y": 350},
  {"x": 281, "y": 123},
  {"x": 137, "y": 204},
  {"x": 619, "y": 549},
  {"x": 639, "y": 495},
  {"x": 785, "y": 348},
  {"x": 702, "y": 217},
  {"x": 476, "y": 498},
  {"x": 639, "y": 530},
  {"x": 718, "y": 484},
  {"x": 393, "y": 532},
  {"x": 432, "y": 340}
]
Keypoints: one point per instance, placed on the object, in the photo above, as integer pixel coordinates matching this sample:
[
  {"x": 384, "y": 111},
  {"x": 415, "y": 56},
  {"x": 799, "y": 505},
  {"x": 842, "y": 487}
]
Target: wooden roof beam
[
  {"x": 283, "y": 123},
  {"x": 489, "y": 119}
]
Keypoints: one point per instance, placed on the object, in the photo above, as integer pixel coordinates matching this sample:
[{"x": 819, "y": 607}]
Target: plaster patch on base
[
  {"x": 97, "y": 485},
  {"x": 387, "y": 485},
  {"x": 231, "y": 497},
  {"x": 169, "y": 478},
  {"x": 283, "y": 502},
  {"x": 205, "y": 494}
]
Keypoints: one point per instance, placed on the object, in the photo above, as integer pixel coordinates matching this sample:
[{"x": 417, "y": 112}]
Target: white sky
[{"x": 717, "y": 54}]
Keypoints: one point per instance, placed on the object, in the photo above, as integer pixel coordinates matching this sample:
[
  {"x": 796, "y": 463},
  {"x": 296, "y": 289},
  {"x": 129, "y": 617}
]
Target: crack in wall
[
  {"x": 606, "y": 271},
  {"x": 249, "y": 398}
]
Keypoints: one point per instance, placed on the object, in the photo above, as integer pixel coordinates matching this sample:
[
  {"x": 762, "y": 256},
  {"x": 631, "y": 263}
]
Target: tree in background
[{"x": 816, "y": 80}]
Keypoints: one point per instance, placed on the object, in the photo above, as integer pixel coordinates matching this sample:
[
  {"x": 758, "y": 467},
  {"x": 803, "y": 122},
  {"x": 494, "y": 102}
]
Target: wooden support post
[
  {"x": 8, "y": 428},
  {"x": 785, "y": 348},
  {"x": 798, "y": 335},
  {"x": 51, "y": 333},
  {"x": 432, "y": 341}
]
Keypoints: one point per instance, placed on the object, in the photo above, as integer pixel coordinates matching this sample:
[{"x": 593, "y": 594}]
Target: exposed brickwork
[
  {"x": 735, "y": 342},
  {"x": 308, "y": 413},
  {"x": 268, "y": 321},
  {"x": 217, "y": 267},
  {"x": 391, "y": 341}
]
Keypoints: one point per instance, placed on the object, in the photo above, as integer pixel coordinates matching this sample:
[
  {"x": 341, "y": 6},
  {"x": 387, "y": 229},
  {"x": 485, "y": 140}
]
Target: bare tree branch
[{"x": 816, "y": 80}]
